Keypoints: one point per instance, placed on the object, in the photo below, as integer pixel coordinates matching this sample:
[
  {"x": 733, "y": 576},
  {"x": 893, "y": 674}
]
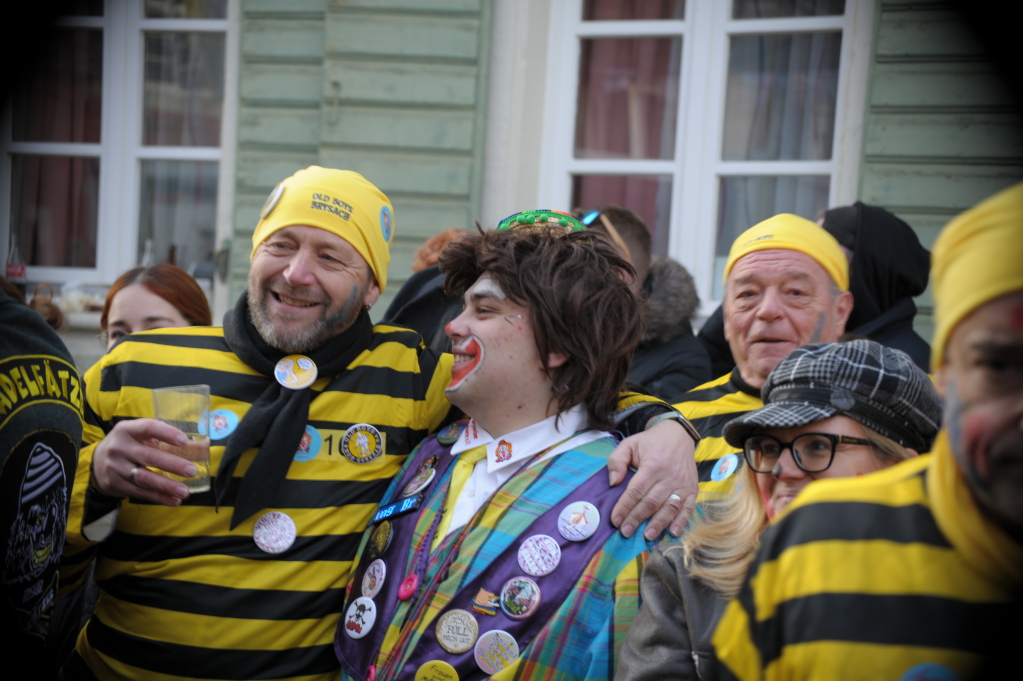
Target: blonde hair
[{"x": 723, "y": 539}]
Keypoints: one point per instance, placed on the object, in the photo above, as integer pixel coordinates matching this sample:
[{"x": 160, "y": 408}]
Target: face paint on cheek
[
  {"x": 469, "y": 358},
  {"x": 968, "y": 435},
  {"x": 508, "y": 318},
  {"x": 816, "y": 337},
  {"x": 977, "y": 432},
  {"x": 1017, "y": 318}
]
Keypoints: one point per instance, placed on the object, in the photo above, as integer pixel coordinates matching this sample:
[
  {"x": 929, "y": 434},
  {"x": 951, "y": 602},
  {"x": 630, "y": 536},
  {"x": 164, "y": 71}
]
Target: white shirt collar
[{"x": 524, "y": 442}]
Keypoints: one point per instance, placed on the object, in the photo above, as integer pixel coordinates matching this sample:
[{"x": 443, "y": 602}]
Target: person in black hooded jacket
[{"x": 888, "y": 267}]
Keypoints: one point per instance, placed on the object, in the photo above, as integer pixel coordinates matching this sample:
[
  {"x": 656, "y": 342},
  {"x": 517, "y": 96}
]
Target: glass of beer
[{"x": 187, "y": 408}]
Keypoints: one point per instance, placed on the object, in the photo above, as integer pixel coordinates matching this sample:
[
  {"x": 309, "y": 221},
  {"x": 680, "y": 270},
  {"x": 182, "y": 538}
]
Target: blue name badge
[{"x": 398, "y": 508}]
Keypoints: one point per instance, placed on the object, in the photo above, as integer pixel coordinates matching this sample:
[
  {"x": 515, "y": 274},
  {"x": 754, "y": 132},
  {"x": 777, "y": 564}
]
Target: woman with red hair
[{"x": 158, "y": 297}]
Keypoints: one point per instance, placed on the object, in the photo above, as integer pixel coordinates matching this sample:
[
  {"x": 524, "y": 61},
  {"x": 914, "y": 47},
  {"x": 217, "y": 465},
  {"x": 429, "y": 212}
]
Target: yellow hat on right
[
  {"x": 977, "y": 257},
  {"x": 793, "y": 233}
]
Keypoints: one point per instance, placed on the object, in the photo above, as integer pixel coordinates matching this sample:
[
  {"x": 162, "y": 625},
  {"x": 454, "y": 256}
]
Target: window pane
[
  {"x": 54, "y": 203},
  {"x": 184, "y": 90},
  {"x": 648, "y": 196},
  {"x": 83, "y": 8},
  {"x": 628, "y": 98},
  {"x": 63, "y": 99},
  {"x": 186, "y": 9},
  {"x": 618, "y": 10},
  {"x": 763, "y": 9},
  {"x": 179, "y": 213},
  {"x": 745, "y": 201},
  {"x": 780, "y": 101}
]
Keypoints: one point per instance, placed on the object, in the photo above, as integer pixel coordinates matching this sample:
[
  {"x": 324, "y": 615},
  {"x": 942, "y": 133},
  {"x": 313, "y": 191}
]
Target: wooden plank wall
[
  {"x": 280, "y": 93},
  {"x": 941, "y": 131},
  {"x": 393, "y": 89},
  {"x": 404, "y": 92}
]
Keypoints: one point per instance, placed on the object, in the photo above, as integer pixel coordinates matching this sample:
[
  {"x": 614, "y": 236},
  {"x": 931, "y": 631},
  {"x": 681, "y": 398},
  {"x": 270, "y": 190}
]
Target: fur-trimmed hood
[{"x": 671, "y": 300}]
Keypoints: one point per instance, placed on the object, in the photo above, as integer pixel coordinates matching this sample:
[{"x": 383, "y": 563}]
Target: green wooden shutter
[
  {"x": 940, "y": 132},
  {"x": 404, "y": 90}
]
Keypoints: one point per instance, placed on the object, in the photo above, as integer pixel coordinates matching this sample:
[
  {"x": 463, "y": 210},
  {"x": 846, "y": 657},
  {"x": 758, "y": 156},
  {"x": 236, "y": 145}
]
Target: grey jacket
[{"x": 670, "y": 637}]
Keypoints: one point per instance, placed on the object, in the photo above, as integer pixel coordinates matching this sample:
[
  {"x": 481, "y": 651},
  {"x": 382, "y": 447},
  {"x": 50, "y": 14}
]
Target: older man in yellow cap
[
  {"x": 786, "y": 285},
  {"x": 312, "y": 411},
  {"x": 912, "y": 573}
]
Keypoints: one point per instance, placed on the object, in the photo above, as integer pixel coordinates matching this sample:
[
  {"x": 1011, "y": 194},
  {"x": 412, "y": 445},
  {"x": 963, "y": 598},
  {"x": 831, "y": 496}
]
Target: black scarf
[{"x": 276, "y": 420}]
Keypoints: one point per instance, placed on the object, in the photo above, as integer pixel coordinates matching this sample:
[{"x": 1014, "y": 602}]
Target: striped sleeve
[
  {"x": 709, "y": 408},
  {"x": 855, "y": 580}
]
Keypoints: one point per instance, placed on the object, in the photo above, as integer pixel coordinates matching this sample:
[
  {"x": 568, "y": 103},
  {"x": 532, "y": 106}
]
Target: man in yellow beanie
[
  {"x": 911, "y": 573},
  {"x": 313, "y": 410},
  {"x": 786, "y": 285}
]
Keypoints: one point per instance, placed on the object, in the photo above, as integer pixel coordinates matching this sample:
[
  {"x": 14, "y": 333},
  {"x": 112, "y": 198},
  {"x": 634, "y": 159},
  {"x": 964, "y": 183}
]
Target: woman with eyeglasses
[
  {"x": 163, "y": 296},
  {"x": 830, "y": 410}
]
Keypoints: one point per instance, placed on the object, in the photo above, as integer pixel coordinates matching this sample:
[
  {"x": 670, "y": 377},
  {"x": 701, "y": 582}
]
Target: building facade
[{"x": 704, "y": 116}]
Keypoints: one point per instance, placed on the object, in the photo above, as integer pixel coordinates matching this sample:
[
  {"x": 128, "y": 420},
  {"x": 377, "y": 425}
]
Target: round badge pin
[
  {"x": 379, "y": 540},
  {"x": 496, "y": 650},
  {"x": 578, "y": 521},
  {"x": 362, "y": 443},
  {"x": 360, "y": 617},
  {"x": 457, "y": 631},
  {"x": 222, "y": 423},
  {"x": 295, "y": 372},
  {"x": 520, "y": 597},
  {"x": 309, "y": 445},
  {"x": 419, "y": 482},
  {"x": 449, "y": 434},
  {"x": 274, "y": 532},
  {"x": 431, "y": 462},
  {"x": 436, "y": 670},
  {"x": 724, "y": 468},
  {"x": 539, "y": 555},
  {"x": 373, "y": 580},
  {"x": 272, "y": 200},
  {"x": 408, "y": 587}
]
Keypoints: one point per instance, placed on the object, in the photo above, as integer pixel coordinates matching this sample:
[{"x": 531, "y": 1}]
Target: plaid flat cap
[{"x": 878, "y": 386}]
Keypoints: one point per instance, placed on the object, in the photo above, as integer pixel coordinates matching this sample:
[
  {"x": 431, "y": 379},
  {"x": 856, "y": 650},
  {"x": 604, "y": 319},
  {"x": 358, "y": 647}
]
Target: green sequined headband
[{"x": 531, "y": 219}]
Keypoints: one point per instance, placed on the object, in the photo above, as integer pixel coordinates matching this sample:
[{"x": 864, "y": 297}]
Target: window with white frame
[
  {"x": 705, "y": 116},
  {"x": 112, "y": 150}
]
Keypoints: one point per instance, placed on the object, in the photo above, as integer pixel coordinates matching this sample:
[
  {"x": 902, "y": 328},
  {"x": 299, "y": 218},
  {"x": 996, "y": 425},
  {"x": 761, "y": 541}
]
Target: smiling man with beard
[
  {"x": 786, "y": 285},
  {"x": 315, "y": 409}
]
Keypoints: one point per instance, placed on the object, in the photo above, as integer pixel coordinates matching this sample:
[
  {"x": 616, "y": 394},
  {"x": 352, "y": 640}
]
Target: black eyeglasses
[{"x": 812, "y": 452}]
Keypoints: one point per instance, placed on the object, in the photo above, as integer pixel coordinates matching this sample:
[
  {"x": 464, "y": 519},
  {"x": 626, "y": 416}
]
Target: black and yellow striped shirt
[
  {"x": 894, "y": 575},
  {"x": 183, "y": 596},
  {"x": 710, "y": 407}
]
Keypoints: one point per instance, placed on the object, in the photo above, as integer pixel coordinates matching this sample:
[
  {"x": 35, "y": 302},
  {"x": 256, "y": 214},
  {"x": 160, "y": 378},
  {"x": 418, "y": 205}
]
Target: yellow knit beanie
[{"x": 342, "y": 202}]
